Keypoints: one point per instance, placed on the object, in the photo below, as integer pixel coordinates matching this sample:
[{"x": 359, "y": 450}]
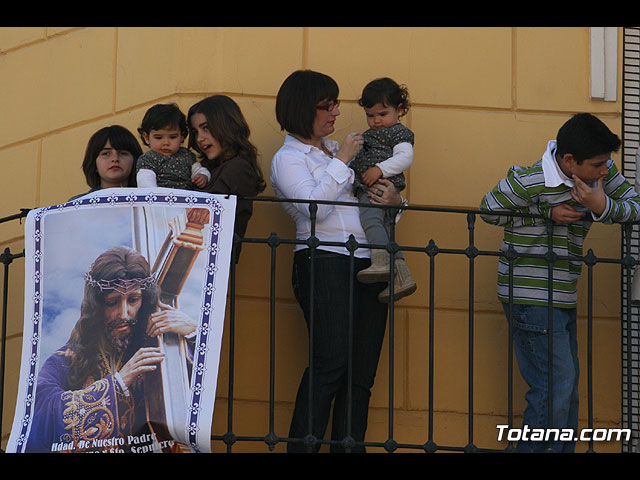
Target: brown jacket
[{"x": 235, "y": 176}]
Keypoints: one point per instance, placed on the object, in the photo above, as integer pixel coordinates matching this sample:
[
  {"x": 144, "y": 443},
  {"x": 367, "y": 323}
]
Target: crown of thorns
[{"x": 121, "y": 285}]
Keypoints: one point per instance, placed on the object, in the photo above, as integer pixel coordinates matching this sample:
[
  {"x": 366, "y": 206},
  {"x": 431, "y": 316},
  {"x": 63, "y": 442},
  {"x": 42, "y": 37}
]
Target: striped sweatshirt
[{"x": 536, "y": 190}]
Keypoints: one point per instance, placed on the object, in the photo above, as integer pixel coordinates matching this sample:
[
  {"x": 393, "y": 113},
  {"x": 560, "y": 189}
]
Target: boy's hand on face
[
  {"x": 592, "y": 198},
  {"x": 565, "y": 214}
]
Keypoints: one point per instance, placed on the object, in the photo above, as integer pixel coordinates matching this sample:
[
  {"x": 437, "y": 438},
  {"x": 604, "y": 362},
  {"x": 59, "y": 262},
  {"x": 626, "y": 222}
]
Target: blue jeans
[
  {"x": 530, "y": 343},
  {"x": 328, "y": 376}
]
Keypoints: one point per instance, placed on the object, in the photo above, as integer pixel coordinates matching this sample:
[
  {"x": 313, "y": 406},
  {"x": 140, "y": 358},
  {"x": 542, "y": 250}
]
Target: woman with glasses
[{"x": 346, "y": 337}]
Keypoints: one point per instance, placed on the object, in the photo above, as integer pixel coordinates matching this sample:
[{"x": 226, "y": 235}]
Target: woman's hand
[
  {"x": 350, "y": 147},
  {"x": 384, "y": 193},
  {"x": 169, "y": 319},
  {"x": 144, "y": 360}
]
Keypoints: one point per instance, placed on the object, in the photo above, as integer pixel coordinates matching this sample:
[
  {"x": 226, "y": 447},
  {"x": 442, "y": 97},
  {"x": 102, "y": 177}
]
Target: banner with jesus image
[{"x": 125, "y": 295}]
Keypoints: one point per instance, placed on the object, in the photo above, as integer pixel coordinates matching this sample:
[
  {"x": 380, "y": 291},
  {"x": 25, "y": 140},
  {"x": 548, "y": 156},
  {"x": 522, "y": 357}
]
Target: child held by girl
[
  {"x": 167, "y": 163},
  {"x": 386, "y": 153}
]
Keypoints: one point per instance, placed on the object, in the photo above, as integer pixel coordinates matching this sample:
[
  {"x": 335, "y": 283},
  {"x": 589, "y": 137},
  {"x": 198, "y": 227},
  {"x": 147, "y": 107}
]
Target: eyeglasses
[{"x": 328, "y": 105}]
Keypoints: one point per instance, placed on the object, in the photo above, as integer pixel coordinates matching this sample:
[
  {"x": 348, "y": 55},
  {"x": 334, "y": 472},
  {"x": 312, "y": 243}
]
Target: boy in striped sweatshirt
[{"x": 574, "y": 184}]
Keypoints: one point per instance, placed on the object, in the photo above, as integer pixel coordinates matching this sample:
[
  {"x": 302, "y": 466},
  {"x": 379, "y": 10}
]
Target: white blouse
[{"x": 302, "y": 171}]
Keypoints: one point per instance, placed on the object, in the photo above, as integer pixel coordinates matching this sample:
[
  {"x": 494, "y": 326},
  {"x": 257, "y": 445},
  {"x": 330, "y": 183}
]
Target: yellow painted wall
[{"x": 483, "y": 99}]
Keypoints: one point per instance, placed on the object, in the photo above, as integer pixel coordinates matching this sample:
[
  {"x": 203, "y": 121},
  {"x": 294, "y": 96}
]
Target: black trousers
[{"x": 326, "y": 380}]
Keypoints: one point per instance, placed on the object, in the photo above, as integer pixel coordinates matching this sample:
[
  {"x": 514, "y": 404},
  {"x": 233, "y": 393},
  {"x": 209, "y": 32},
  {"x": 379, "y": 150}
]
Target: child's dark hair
[
  {"x": 387, "y": 92},
  {"x": 163, "y": 115},
  {"x": 585, "y": 136},
  {"x": 229, "y": 127},
  {"x": 120, "y": 139}
]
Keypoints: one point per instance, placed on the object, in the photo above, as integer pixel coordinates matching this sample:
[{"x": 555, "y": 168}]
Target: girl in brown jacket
[{"x": 219, "y": 133}]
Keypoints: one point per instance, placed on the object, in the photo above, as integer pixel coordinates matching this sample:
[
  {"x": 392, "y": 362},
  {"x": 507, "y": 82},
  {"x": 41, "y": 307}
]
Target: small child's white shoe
[
  {"x": 403, "y": 284},
  {"x": 379, "y": 269}
]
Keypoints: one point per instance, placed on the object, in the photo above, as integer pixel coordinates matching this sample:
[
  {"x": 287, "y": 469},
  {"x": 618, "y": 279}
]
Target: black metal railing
[{"x": 431, "y": 251}]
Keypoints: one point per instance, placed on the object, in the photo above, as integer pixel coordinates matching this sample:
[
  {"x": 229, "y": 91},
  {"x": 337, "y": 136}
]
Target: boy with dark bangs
[{"x": 574, "y": 184}]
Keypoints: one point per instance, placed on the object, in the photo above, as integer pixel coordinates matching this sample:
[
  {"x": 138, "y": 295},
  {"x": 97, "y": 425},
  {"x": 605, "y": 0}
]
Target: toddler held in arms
[
  {"x": 167, "y": 163},
  {"x": 387, "y": 152}
]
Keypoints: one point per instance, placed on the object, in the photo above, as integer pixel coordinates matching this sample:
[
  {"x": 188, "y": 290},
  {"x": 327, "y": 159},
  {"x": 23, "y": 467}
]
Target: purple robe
[
  {"x": 89, "y": 419},
  {"x": 99, "y": 417}
]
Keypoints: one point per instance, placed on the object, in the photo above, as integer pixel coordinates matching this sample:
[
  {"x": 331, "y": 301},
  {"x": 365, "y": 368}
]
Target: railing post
[
  {"x": 271, "y": 438},
  {"x": 6, "y": 259},
  {"x": 551, "y": 257},
  {"x": 511, "y": 255},
  {"x": 590, "y": 260},
  {"x": 431, "y": 250},
  {"x": 349, "y": 442},
  {"x": 312, "y": 242},
  {"x": 471, "y": 253}
]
